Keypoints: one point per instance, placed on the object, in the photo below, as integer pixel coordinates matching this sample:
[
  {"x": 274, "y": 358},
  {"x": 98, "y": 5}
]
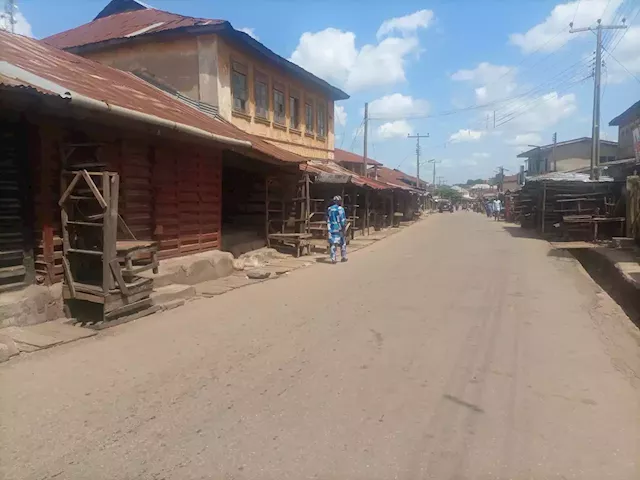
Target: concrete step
[{"x": 169, "y": 293}]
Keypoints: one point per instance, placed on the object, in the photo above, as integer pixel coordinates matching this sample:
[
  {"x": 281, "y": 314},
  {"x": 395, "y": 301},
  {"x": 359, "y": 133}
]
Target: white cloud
[
  {"x": 21, "y": 26},
  {"x": 340, "y": 115},
  {"x": 537, "y": 115},
  {"x": 627, "y": 53},
  {"x": 492, "y": 82},
  {"x": 332, "y": 55},
  {"x": 466, "y": 135},
  {"x": 481, "y": 155},
  {"x": 397, "y": 105},
  {"x": 547, "y": 36},
  {"x": 525, "y": 139},
  {"x": 407, "y": 24},
  {"x": 250, "y": 31},
  {"x": 398, "y": 128}
]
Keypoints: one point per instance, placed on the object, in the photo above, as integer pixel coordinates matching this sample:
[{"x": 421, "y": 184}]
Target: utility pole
[
  {"x": 9, "y": 14},
  {"x": 418, "y": 137},
  {"x": 366, "y": 133},
  {"x": 440, "y": 180},
  {"x": 434, "y": 161},
  {"x": 595, "y": 127}
]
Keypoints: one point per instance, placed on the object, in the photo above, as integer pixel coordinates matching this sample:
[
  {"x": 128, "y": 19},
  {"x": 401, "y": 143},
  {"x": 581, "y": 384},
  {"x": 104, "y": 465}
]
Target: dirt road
[{"x": 456, "y": 349}]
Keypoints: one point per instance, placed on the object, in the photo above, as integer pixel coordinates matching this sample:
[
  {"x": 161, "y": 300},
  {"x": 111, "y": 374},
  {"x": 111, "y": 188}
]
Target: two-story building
[
  {"x": 628, "y": 123},
  {"x": 566, "y": 156},
  {"x": 211, "y": 62}
]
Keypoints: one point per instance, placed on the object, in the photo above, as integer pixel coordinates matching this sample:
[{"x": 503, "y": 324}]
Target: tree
[
  {"x": 475, "y": 182},
  {"x": 445, "y": 191}
]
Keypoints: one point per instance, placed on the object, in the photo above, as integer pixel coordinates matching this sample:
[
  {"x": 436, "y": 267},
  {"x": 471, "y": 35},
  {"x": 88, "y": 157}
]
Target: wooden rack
[{"x": 92, "y": 266}]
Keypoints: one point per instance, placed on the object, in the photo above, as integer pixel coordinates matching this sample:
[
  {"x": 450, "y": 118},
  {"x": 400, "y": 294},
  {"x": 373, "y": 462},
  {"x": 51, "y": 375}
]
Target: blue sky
[{"x": 414, "y": 61}]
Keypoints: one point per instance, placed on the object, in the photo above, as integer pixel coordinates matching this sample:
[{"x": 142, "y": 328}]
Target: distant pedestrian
[
  {"x": 336, "y": 228},
  {"x": 488, "y": 208},
  {"x": 497, "y": 208}
]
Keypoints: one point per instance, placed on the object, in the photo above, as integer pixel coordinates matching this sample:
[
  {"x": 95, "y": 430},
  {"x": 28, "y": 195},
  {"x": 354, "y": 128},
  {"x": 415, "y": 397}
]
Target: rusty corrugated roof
[
  {"x": 115, "y": 87},
  {"x": 121, "y": 27},
  {"x": 319, "y": 166},
  {"x": 125, "y": 25},
  {"x": 396, "y": 178},
  {"x": 343, "y": 156}
]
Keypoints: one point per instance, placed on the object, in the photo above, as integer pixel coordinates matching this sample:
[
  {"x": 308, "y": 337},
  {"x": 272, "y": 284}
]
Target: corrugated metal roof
[
  {"x": 319, "y": 167},
  {"x": 114, "y": 87},
  {"x": 149, "y": 21},
  {"x": 122, "y": 25},
  {"x": 398, "y": 179},
  {"x": 343, "y": 156}
]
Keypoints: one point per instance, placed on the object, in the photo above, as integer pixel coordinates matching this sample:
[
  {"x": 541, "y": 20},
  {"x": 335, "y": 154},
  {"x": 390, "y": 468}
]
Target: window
[
  {"x": 239, "y": 86},
  {"x": 308, "y": 117},
  {"x": 279, "y": 115},
  {"x": 261, "y": 87},
  {"x": 294, "y": 111},
  {"x": 322, "y": 119}
]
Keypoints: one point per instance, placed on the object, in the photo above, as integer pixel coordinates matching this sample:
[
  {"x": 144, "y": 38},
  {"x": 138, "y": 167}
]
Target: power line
[{"x": 619, "y": 63}]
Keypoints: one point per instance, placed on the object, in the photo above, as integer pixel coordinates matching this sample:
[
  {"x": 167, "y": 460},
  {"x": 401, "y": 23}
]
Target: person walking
[
  {"x": 336, "y": 229},
  {"x": 497, "y": 208}
]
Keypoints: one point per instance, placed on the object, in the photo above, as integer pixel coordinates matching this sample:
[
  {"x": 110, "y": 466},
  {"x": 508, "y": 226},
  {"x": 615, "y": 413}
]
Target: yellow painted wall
[
  {"x": 200, "y": 67},
  {"x": 174, "y": 63},
  {"x": 282, "y": 136}
]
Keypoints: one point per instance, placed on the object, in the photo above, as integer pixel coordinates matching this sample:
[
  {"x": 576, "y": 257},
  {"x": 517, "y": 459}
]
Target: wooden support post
[
  {"x": 544, "y": 205},
  {"x": 366, "y": 210},
  {"x": 266, "y": 212},
  {"x": 107, "y": 278},
  {"x": 307, "y": 189}
]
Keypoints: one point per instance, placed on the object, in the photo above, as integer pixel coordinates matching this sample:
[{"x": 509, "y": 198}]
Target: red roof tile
[
  {"x": 48, "y": 69},
  {"x": 343, "y": 156},
  {"x": 124, "y": 25}
]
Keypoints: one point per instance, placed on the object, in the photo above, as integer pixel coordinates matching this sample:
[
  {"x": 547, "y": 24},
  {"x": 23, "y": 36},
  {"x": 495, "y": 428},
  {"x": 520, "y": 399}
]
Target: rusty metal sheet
[{"x": 115, "y": 87}]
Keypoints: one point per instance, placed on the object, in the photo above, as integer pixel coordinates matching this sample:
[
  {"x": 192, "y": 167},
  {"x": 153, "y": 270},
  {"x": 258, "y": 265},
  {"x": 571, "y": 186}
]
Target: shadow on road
[{"x": 518, "y": 231}]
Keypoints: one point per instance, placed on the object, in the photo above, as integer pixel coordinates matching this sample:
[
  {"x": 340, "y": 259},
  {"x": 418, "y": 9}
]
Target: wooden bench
[
  {"x": 298, "y": 241},
  {"x": 593, "y": 222}
]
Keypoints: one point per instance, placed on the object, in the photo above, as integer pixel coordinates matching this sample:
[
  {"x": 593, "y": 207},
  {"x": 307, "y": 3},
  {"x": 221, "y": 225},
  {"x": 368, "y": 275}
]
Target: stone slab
[
  {"x": 211, "y": 288},
  {"x": 169, "y": 293},
  {"x": 46, "y": 335},
  {"x": 173, "y": 304}
]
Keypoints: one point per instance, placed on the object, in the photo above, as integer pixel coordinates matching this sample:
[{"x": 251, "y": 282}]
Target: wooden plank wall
[
  {"x": 45, "y": 177},
  {"x": 136, "y": 190},
  {"x": 187, "y": 203}
]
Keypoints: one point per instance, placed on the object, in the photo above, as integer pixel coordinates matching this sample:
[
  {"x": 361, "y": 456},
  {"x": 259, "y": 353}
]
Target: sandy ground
[{"x": 456, "y": 349}]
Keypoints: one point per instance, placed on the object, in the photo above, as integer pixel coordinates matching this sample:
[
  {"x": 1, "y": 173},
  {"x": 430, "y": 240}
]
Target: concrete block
[
  {"x": 211, "y": 288},
  {"x": 192, "y": 269},
  {"x": 169, "y": 293},
  {"x": 8, "y": 348},
  {"x": 31, "y": 305}
]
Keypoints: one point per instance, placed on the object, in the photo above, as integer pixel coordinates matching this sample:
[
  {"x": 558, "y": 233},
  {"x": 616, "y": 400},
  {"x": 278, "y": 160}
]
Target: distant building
[
  {"x": 510, "y": 183},
  {"x": 566, "y": 156},
  {"x": 627, "y": 122},
  {"x": 355, "y": 163}
]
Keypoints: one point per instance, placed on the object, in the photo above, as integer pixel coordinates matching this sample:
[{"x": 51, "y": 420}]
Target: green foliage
[
  {"x": 474, "y": 182},
  {"x": 445, "y": 191}
]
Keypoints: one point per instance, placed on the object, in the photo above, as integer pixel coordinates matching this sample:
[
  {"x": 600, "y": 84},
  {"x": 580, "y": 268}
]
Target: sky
[{"x": 483, "y": 78}]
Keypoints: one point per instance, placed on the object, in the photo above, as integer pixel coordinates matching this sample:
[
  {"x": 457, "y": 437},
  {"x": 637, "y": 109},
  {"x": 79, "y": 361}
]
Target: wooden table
[
  {"x": 594, "y": 222},
  {"x": 299, "y": 241}
]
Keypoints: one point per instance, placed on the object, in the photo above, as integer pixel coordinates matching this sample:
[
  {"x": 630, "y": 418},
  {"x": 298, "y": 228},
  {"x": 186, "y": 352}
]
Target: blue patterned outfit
[{"x": 336, "y": 224}]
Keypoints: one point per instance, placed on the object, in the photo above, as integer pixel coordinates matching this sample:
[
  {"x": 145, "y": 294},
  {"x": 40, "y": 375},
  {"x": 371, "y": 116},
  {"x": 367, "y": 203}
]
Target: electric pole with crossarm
[
  {"x": 595, "y": 127},
  {"x": 418, "y": 137}
]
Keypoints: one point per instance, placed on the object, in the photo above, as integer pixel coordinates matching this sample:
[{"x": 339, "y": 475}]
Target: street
[{"x": 456, "y": 349}]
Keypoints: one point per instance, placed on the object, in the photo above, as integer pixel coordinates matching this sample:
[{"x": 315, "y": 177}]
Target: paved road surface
[{"x": 456, "y": 349}]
